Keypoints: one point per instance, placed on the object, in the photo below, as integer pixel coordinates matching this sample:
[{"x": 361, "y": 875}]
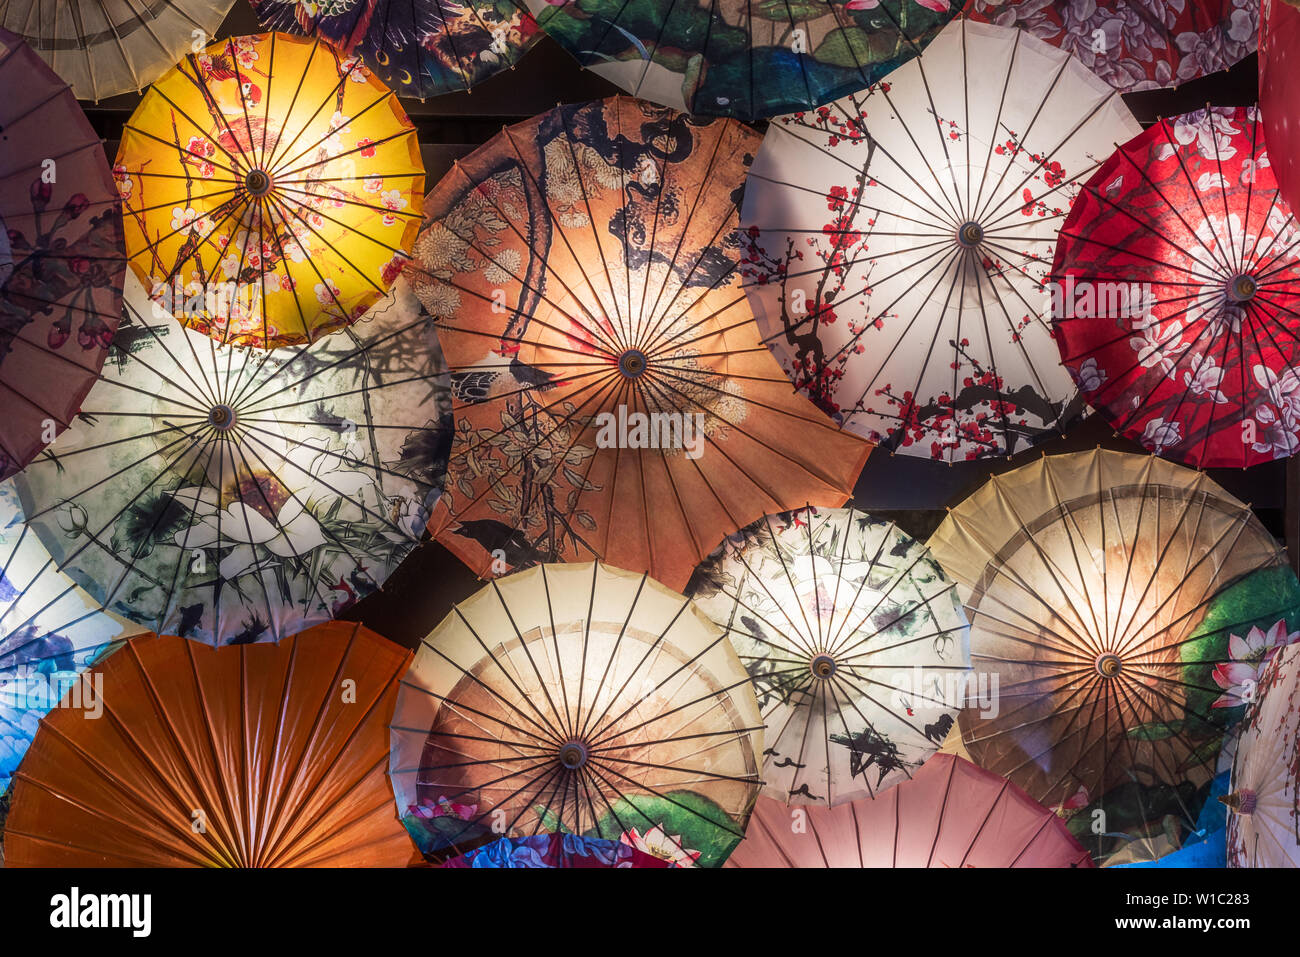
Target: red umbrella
[
  {"x": 1175, "y": 291},
  {"x": 950, "y": 814},
  {"x": 61, "y": 259},
  {"x": 1279, "y": 61}
]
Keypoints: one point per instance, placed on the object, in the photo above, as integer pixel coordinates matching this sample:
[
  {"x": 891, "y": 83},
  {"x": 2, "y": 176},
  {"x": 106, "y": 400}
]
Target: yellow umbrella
[{"x": 271, "y": 190}]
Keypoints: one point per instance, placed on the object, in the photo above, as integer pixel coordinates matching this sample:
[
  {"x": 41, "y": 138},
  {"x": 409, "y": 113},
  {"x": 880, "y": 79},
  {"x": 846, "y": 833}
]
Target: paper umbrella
[
  {"x": 856, "y": 644},
  {"x": 583, "y": 699}
]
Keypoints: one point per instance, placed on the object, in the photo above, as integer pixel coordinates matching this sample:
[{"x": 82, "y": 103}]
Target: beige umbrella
[
  {"x": 1113, "y": 600},
  {"x": 577, "y": 698},
  {"x": 102, "y": 49}
]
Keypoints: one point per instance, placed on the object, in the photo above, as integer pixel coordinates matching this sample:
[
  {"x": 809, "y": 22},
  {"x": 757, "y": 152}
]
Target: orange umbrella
[
  {"x": 613, "y": 398},
  {"x": 240, "y": 756}
]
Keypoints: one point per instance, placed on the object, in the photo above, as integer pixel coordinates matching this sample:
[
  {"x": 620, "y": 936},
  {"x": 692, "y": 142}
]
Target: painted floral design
[
  {"x": 421, "y": 49},
  {"x": 851, "y": 595},
  {"x": 1137, "y": 44},
  {"x": 232, "y": 496},
  {"x": 1208, "y": 370},
  {"x": 556, "y": 850},
  {"x": 299, "y": 197},
  {"x": 898, "y": 241},
  {"x": 708, "y": 58},
  {"x": 591, "y": 236},
  {"x": 61, "y": 267},
  {"x": 1239, "y": 678}
]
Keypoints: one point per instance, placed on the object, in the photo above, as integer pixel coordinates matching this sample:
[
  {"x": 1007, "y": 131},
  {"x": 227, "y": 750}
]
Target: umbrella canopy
[
  {"x": 257, "y": 756},
  {"x": 1279, "y": 59},
  {"x": 612, "y": 397},
  {"x": 899, "y": 241},
  {"x": 1177, "y": 290},
  {"x": 61, "y": 262},
  {"x": 949, "y": 814},
  {"x": 50, "y": 630},
  {"x": 1264, "y": 806},
  {"x": 1137, "y": 44},
  {"x": 418, "y": 47},
  {"x": 556, "y": 850},
  {"x": 276, "y": 167},
  {"x": 740, "y": 58},
  {"x": 103, "y": 49},
  {"x": 229, "y": 495},
  {"x": 1112, "y": 597},
  {"x": 856, "y": 644},
  {"x": 578, "y": 698}
]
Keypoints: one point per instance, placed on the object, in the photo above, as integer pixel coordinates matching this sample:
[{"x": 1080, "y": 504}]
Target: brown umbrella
[
  {"x": 240, "y": 756},
  {"x": 612, "y": 396}
]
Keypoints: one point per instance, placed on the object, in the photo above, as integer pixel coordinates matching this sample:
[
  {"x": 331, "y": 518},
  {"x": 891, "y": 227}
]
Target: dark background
[{"x": 915, "y": 492}]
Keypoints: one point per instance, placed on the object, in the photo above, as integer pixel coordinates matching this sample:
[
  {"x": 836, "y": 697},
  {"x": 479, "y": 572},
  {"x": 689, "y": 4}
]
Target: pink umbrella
[{"x": 950, "y": 814}]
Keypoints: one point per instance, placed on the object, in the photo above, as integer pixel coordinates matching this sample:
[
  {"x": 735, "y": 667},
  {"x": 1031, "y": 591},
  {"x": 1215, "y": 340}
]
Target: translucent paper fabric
[
  {"x": 898, "y": 241},
  {"x": 1137, "y": 44},
  {"x": 102, "y": 49},
  {"x": 50, "y": 630},
  {"x": 230, "y": 495},
  {"x": 744, "y": 58},
  {"x": 1177, "y": 293},
  {"x": 948, "y": 814},
  {"x": 1120, "y": 609},
  {"x": 417, "y": 47},
  {"x": 856, "y": 644},
  {"x": 61, "y": 262},
  {"x": 553, "y": 851},
  {"x": 1264, "y": 807},
  {"x": 256, "y": 756},
  {"x": 612, "y": 397},
  {"x": 276, "y": 167},
  {"x": 577, "y": 698},
  {"x": 1279, "y": 60}
]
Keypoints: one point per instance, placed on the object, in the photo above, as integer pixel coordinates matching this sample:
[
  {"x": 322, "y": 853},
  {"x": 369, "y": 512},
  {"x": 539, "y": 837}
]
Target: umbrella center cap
[
  {"x": 970, "y": 234},
  {"x": 221, "y": 417},
  {"x": 632, "y": 363},
  {"x": 1242, "y": 288},
  {"x": 573, "y": 755},
  {"x": 823, "y": 666},
  {"x": 1109, "y": 665},
  {"x": 257, "y": 182}
]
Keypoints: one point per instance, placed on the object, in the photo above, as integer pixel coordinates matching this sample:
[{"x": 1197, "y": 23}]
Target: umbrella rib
[
  {"x": 277, "y": 160},
  {"x": 663, "y": 797},
  {"x": 584, "y": 727},
  {"x": 557, "y": 728}
]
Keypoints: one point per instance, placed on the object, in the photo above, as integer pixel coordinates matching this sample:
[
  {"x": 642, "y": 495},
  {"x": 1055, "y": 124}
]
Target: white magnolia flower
[{"x": 1160, "y": 435}]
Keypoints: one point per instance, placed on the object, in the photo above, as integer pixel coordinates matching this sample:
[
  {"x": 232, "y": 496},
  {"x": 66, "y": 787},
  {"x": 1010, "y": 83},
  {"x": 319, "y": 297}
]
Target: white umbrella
[
  {"x": 235, "y": 495},
  {"x": 1264, "y": 823},
  {"x": 856, "y": 644},
  {"x": 900, "y": 239}
]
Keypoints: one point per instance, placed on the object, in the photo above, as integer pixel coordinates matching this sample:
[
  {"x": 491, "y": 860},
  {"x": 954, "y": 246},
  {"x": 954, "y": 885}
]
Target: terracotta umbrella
[
  {"x": 611, "y": 394},
  {"x": 581, "y": 699},
  {"x": 61, "y": 259},
  {"x": 949, "y": 814},
  {"x": 1120, "y": 603},
  {"x": 250, "y": 756}
]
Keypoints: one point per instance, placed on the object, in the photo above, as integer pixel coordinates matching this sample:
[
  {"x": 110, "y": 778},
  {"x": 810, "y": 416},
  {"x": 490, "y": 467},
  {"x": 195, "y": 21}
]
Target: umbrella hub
[
  {"x": 573, "y": 755},
  {"x": 633, "y": 363},
  {"x": 1109, "y": 665},
  {"x": 823, "y": 667},
  {"x": 970, "y": 234},
  {"x": 257, "y": 182},
  {"x": 221, "y": 417},
  {"x": 1242, "y": 288},
  {"x": 1243, "y": 801}
]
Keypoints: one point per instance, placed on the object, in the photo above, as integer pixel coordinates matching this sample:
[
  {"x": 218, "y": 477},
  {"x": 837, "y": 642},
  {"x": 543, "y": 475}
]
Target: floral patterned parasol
[{"x": 275, "y": 166}]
